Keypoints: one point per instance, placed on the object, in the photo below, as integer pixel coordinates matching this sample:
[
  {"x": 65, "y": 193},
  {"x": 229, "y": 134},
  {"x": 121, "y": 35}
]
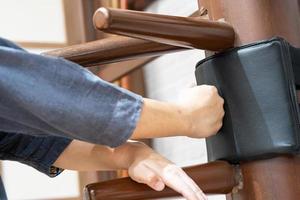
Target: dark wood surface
[
  {"x": 271, "y": 179},
  {"x": 214, "y": 178},
  {"x": 112, "y": 49},
  {"x": 277, "y": 178},
  {"x": 258, "y": 19},
  {"x": 189, "y": 32}
]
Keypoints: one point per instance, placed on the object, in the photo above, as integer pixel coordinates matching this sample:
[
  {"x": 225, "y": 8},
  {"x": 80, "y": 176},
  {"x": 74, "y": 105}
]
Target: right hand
[{"x": 203, "y": 111}]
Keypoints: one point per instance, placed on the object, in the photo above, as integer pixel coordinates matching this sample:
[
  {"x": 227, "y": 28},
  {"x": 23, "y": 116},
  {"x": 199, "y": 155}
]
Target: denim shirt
[{"x": 45, "y": 102}]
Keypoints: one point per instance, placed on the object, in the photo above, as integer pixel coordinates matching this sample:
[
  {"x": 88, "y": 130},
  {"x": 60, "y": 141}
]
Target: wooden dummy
[
  {"x": 246, "y": 21},
  {"x": 277, "y": 178}
]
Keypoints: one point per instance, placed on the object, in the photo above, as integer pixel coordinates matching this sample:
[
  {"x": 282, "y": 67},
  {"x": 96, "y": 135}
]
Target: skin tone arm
[
  {"x": 143, "y": 164},
  {"x": 198, "y": 114}
]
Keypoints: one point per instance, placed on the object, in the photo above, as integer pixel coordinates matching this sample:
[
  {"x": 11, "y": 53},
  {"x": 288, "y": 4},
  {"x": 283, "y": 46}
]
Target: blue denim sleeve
[
  {"x": 42, "y": 95},
  {"x": 38, "y": 152}
]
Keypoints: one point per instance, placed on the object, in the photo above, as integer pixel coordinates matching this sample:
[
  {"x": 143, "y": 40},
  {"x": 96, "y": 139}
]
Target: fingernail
[{"x": 159, "y": 185}]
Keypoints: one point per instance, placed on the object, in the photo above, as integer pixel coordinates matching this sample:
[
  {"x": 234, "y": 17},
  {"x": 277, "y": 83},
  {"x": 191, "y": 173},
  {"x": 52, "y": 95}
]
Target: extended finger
[
  {"x": 173, "y": 177},
  {"x": 192, "y": 184}
]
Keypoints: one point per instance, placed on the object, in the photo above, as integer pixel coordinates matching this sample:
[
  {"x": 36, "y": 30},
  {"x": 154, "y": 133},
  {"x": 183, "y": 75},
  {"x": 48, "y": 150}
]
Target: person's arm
[
  {"x": 43, "y": 95},
  {"x": 198, "y": 113},
  {"x": 143, "y": 164}
]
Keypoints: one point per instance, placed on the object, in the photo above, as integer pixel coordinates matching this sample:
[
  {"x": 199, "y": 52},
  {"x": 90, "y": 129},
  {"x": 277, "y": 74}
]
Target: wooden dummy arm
[
  {"x": 217, "y": 177},
  {"x": 179, "y": 32},
  {"x": 112, "y": 49},
  {"x": 188, "y": 32}
]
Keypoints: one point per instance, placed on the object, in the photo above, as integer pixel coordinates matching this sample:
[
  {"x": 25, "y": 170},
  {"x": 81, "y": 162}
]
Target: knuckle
[
  {"x": 137, "y": 179},
  {"x": 217, "y": 127},
  {"x": 220, "y": 125},
  {"x": 222, "y": 101},
  {"x": 151, "y": 178},
  {"x": 222, "y": 113},
  {"x": 213, "y": 130},
  {"x": 171, "y": 170},
  {"x": 213, "y": 89}
]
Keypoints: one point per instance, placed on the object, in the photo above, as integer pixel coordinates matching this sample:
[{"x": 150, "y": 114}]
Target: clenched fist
[{"x": 203, "y": 110}]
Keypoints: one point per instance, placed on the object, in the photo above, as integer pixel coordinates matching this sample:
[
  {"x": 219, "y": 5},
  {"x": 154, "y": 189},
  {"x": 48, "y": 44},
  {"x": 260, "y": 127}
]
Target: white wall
[
  {"x": 24, "y": 182},
  {"x": 32, "y": 20},
  {"x": 167, "y": 75}
]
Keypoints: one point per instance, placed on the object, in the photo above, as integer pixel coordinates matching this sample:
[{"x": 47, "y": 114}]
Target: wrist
[
  {"x": 176, "y": 121},
  {"x": 128, "y": 153},
  {"x": 161, "y": 119},
  {"x": 184, "y": 121}
]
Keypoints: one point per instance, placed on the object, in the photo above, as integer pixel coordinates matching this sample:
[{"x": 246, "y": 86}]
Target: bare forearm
[
  {"x": 160, "y": 119},
  {"x": 144, "y": 165},
  {"x": 197, "y": 114},
  {"x": 83, "y": 156}
]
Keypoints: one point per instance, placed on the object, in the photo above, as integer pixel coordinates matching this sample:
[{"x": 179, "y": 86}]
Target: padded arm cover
[{"x": 257, "y": 82}]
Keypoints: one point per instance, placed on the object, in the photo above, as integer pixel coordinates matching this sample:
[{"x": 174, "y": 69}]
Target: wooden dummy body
[{"x": 246, "y": 21}]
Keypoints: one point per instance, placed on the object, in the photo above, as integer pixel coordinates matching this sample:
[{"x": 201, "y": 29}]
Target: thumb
[{"x": 145, "y": 175}]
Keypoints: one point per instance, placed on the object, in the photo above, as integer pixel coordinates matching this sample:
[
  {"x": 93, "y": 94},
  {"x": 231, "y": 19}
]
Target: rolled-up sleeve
[
  {"x": 52, "y": 96},
  {"x": 37, "y": 152}
]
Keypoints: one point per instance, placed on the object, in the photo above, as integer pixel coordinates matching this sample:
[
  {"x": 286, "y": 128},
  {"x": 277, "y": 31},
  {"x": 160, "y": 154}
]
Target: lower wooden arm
[
  {"x": 217, "y": 177},
  {"x": 111, "y": 50}
]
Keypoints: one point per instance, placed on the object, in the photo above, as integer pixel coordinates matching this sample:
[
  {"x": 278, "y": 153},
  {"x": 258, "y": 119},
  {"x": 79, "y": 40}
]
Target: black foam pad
[{"x": 258, "y": 83}]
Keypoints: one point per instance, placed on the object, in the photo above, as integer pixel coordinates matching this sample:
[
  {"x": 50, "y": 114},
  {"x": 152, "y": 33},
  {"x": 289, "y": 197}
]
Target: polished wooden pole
[
  {"x": 214, "y": 178},
  {"x": 189, "y": 32},
  {"x": 253, "y": 20},
  {"x": 111, "y": 50}
]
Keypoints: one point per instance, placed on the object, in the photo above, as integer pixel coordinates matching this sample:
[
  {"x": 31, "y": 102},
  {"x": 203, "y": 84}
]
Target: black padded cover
[{"x": 261, "y": 110}]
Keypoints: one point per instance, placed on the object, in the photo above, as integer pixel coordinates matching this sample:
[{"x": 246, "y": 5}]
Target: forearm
[
  {"x": 143, "y": 164},
  {"x": 198, "y": 113},
  {"x": 160, "y": 119},
  {"x": 83, "y": 156}
]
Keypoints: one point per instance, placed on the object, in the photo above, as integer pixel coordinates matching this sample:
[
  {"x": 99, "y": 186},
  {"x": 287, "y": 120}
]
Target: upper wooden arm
[
  {"x": 188, "y": 32},
  {"x": 159, "y": 34}
]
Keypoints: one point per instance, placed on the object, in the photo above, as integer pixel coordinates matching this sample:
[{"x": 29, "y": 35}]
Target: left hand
[{"x": 150, "y": 168}]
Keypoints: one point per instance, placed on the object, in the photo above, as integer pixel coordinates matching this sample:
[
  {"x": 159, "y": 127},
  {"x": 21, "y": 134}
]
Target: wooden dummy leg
[{"x": 272, "y": 179}]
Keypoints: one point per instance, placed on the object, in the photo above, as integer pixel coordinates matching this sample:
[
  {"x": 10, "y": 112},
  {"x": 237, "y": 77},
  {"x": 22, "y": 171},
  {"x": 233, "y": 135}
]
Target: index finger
[{"x": 177, "y": 179}]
